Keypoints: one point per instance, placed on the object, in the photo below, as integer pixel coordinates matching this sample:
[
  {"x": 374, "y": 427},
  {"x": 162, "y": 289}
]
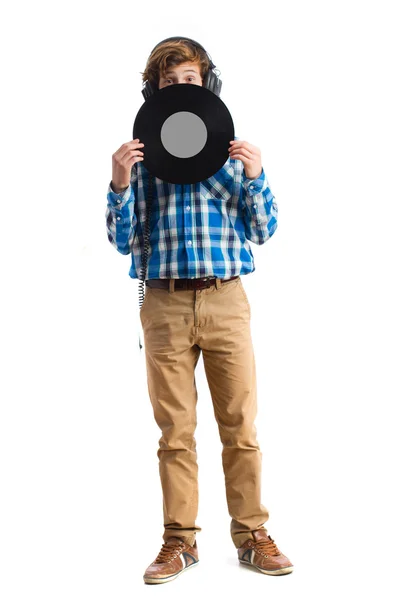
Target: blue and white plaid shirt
[{"x": 196, "y": 230}]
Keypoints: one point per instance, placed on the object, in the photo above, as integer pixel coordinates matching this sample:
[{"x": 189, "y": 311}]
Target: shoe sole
[
  {"x": 170, "y": 577},
  {"x": 282, "y": 571}
]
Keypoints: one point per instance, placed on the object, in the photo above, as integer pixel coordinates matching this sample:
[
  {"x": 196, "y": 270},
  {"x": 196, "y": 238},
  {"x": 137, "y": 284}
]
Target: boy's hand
[
  {"x": 122, "y": 161},
  {"x": 249, "y": 155}
]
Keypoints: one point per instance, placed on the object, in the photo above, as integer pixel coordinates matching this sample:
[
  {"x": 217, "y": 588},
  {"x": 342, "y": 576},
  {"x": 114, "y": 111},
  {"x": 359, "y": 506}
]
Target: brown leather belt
[{"x": 186, "y": 284}]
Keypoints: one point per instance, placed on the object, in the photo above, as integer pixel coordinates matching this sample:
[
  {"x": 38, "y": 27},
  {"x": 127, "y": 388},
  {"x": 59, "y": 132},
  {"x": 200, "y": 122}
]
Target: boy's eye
[{"x": 168, "y": 80}]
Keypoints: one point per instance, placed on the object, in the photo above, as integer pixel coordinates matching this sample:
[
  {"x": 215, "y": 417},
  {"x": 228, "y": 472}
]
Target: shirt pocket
[{"x": 214, "y": 191}]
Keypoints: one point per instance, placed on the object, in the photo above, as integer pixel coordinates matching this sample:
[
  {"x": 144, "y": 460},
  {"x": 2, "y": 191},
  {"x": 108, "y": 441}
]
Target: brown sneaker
[
  {"x": 263, "y": 554},
  {"x": 174, "y": 557}
]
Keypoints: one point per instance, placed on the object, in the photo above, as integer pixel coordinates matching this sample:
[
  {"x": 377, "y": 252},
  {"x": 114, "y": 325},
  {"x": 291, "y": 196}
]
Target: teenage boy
[{"x": 195, "y": 302}]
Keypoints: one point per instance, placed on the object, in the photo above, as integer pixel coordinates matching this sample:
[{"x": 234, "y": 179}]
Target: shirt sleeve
[
  {"x": 120, "y": 216},
  {"x": 260, "y": 210}
]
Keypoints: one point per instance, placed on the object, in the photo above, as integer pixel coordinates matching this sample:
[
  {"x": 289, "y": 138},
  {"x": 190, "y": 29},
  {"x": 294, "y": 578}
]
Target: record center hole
[{"x": 183, "y": 134}]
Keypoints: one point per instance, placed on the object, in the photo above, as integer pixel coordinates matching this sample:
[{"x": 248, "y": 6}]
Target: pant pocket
[
  {"x": 145, "y": 299},
  {"x": 244, "y": 295}
]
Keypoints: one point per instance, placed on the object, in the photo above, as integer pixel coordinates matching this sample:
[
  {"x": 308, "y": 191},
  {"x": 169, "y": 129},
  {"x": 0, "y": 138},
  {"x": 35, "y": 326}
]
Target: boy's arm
[
  {"x": 121, "y": 218},
  {"x": 260, "y": 211}
]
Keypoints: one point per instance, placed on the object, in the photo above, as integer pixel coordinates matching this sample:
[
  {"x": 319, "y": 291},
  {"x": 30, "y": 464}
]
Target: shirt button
[
  {"x": 188, "y": 208},
  {"x": 252, "y": 187},
  {"x": 118, "y": 218},
  {"x": 118, "y": 201},
  {"x": 189, "y": 242}
]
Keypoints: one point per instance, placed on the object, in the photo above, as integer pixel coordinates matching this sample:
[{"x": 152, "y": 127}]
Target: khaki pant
[{"x": 177, "y": 325}]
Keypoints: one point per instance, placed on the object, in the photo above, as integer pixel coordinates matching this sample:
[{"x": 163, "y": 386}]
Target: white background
[{"x": 315, "y": 86}]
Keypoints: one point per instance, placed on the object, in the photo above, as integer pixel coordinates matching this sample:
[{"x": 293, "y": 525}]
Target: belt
[{"x": 186, "y": 284}]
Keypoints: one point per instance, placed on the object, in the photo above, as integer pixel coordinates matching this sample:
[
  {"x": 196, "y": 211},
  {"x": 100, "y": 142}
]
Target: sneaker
[
  {"x": 174, "y": 557},
  {"x": 262, "y": 553}
]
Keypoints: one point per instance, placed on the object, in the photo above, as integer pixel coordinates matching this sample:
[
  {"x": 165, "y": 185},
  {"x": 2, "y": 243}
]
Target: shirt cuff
[
  {"x": 254, "y": 186},
  {"x": 118, "y": 200}
]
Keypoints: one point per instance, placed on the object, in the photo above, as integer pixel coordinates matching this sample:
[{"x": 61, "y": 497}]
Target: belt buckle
[{"x": 208, "y": 280}]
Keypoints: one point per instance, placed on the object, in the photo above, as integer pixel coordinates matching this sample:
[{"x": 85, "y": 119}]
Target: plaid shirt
[{"x": 196, "y": 230}]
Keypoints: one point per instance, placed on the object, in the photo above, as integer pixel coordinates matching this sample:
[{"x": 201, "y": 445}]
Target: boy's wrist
[{"x": 118, "y": 190}]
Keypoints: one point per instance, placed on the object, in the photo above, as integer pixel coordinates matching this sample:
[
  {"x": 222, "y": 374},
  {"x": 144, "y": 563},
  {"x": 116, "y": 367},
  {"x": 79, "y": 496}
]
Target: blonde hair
[{"x": 171, "y": 54}]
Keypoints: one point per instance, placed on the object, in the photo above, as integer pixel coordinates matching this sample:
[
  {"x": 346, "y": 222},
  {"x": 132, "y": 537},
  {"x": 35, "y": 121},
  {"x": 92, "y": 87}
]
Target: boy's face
[{"x": 187, "y": 72}]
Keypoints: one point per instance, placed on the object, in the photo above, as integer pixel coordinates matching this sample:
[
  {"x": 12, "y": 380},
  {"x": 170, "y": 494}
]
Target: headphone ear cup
[
  {"x": 147, "y": 90},
  {"x": 212, "y": 82}
]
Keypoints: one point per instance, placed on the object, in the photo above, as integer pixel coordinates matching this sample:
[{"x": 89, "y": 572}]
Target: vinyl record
[{"x": 186, "y": 130}]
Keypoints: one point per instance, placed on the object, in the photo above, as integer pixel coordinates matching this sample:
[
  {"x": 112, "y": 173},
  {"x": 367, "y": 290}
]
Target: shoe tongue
[
  {"x": 173, "y": 540},
  {"x": 260, "y": 534}
]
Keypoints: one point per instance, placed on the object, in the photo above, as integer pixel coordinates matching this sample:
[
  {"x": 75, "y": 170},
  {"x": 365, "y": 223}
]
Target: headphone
[{"x": 211, "y": 80}]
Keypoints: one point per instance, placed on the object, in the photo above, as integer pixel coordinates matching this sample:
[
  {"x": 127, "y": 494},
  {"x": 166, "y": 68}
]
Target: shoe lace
[
  {"x": 267, "y": 547},
  {"x": 169, "y": 551}
]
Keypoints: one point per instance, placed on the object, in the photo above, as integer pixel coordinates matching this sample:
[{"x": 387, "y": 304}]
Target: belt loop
[
  {"x": 171, "y": 286},
  {"x": 218, "y": 283}
]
